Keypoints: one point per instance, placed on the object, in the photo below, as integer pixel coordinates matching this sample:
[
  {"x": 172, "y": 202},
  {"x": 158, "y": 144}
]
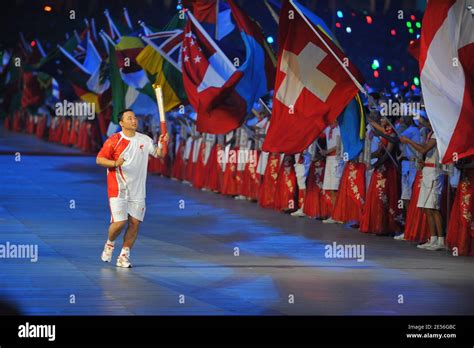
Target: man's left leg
[
  {"x": 131, "y": 233},
  {"x": 128, "y": 241},
  {"x": 136, "y": 214}
]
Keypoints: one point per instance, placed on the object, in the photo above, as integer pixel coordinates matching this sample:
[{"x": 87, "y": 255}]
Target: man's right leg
[
  {"x": 118, "y": 210},
  {"x": 115, "y": 229},
  {"x": 432, "y": 228}
]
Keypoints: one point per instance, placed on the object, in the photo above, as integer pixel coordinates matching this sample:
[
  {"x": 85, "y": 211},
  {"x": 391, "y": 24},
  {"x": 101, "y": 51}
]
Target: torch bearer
[{"x": 161, "y": 109}]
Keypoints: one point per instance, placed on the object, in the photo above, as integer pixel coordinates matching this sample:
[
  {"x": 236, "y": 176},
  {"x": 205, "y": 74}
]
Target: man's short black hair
[{"x": 120, "y": 114}]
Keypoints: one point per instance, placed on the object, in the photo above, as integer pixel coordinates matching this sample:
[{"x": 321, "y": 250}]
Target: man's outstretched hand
[{"x": 164, "y": 138}]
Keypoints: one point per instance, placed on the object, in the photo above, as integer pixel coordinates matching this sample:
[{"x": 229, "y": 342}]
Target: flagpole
[
  {"x": 361, "y": 88},
  {"x": 107, "y": 37},
  {"x": 78, "y": 38},
  {"x": 94, "y": 32},
  {"x": 272, "y": 12},
  {"x": 40, "y": 48},
  {"x": 216, "y": 34},
  {"x": 104, "y": 42},
  {"x": 145, "y": 28},
  {"x": 73, "y": 60},
  {"x": 112, "y": 24},
  {"x": 127, "y": 18},
  {"x": 25, "y": 45}
]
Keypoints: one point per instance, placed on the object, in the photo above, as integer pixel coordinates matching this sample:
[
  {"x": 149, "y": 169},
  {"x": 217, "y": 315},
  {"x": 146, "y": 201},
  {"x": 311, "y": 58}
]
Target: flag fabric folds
[
  {"x": 447, "y": 76},
  {"x": 351, "y": 123},
  {"x": 162, "y": 59},
  {"x": 209, "y": 80},
  {"x": 312, "y": 88}
]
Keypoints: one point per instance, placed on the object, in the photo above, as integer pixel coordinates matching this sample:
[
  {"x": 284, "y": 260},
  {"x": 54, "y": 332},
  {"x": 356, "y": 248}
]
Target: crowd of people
[{"x": 396, "y": 187}]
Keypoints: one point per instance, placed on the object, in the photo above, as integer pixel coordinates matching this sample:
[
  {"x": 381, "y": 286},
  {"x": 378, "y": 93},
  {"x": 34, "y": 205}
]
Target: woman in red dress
[
  {"x": 200, "y": 167},
  {"x": 178, "y": 164},
  {"x": 74, "y": 134},
  {"x": 18, "y": 121},
  {"x": 313, "y": 200},
  {"x": 66, "y": 128},
  {"x": 6, "y": 122},
  {"x": 41, "y": 128},
  {"x": 460, "y": 236},
  {"x": 53, "y": 130},
  {"x": 30, "y": 124},
  {"x": 285, "y": 193},
  {"x": 211, "y": 181},
  {"x": 351, "y": 195},
  {"x": 382, "y": 215},
  {"x": 229, "y": 180},
  {"x": 267, "y": 190},
  {"x": 416, "y": 228},
  {"x": 251, "y": 183}
]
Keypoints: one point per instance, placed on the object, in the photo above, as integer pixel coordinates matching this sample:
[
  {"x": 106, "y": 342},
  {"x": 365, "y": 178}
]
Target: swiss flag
[
  {"x": 311, "y": 88},
  {"x": 447, "y": 76},
  {"x": 210, "y": 80}
]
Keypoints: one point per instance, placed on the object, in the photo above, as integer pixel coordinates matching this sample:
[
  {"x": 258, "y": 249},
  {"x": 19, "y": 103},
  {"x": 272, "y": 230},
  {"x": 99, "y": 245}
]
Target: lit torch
[{"x": 161, "y": 109}]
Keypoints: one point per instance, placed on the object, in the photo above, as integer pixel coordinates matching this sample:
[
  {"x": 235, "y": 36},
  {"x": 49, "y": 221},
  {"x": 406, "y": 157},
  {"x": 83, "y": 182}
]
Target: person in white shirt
[
  {"x": 334, "y": 165},
  {"x": 125, "y": 155},
  {"x": 432, "y": 184}
]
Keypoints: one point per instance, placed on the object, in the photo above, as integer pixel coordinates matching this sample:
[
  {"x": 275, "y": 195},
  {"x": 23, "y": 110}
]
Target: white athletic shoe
[
  {"x": 425, "y": 245},
  {"x": 331, "y": 221},
  {"x": 400, "y": 237},
  {"x": 240, "y": 198},
  {"x": 107, "y": 253},
  {"x": 298, "y": 213},
  {"x": 124, "y": 261},
  {"x": 436, "y": 247}
]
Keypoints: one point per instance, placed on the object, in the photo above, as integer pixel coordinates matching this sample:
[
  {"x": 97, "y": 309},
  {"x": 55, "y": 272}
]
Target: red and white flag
[
  {"x": 312, "y": 88},
  {"x": 210, "y": 79},
  {"x": 447, "y": 76}
]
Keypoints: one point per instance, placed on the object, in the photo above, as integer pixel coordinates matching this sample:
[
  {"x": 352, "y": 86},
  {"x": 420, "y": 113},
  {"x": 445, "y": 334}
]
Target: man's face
[{"x": 129, "y": 121}]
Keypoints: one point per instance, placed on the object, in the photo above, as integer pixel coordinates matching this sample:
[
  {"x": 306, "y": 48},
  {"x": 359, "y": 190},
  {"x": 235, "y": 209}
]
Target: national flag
[
  {"x": 447, "y": 76},
  {"x": 119, "y": 88},
  {"x": 259, "y": 68},
  {"x": 162, "y": 59},
  {"x": 222, "y": 94},
  {"x": 214, "y": 15},
  {"x": 33, "y": 95},
  {"x": 140, "y": 95},
  {"x": 352, "y": 126},
  {"x": 312, "y": 86},
  {"x": 209, "y": 80}
]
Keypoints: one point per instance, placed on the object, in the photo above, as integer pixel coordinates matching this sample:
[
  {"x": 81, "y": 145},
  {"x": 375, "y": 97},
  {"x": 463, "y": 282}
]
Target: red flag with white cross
[{"x": 312, "y": 87}]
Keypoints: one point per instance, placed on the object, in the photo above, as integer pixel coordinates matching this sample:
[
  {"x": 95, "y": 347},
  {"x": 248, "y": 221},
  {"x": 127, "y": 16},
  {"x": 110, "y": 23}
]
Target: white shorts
[
  {"x": 120, "y": 208},
  {"x": 408, "y": 178},
  {"x": 332, "y": 173},
  {"x": 431, "y": 188}
]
